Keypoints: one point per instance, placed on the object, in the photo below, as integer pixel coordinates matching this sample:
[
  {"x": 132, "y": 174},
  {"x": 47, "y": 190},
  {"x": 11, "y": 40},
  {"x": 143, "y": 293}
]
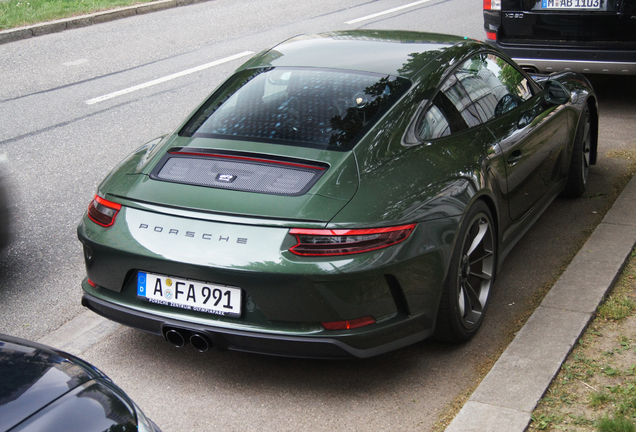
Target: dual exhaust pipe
[{"x": 179, "y": 338}]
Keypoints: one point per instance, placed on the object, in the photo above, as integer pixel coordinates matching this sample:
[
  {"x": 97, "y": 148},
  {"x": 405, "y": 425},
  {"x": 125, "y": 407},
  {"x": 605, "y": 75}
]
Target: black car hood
[{"x": 32, "y": 376}]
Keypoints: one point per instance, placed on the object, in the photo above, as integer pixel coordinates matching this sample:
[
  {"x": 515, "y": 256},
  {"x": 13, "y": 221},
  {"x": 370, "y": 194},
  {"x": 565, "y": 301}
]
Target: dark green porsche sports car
[{"x": 342, "y": 194}]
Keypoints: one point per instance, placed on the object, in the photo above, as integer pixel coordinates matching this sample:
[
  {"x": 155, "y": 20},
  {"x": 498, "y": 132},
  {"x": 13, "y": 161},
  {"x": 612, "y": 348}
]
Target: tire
[
  {"x": 4, "y": 217},
  {"x": 580, "y": 161},
  {"x": 470, "y": 278}
]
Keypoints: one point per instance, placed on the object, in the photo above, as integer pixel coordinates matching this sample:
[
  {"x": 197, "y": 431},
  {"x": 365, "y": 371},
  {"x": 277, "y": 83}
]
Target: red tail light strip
[
  {"x": 103, "y": 212},
  {"x": 250, "y": 159},
  {"x": 324, "y": 242}
]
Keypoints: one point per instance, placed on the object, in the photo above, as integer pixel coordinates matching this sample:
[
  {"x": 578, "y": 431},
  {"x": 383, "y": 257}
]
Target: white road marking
[
  {"x": 166, "y": 78},
  {"x": 386, "y": 12},
  {"x": 75, "y": 62}
]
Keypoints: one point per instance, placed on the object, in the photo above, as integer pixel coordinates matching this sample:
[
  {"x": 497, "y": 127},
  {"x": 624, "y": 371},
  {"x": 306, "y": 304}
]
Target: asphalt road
[{"x": 55, "y": 148}]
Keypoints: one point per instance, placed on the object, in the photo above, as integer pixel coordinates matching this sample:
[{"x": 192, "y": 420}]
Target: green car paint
[{"x": 389, "y": 176}]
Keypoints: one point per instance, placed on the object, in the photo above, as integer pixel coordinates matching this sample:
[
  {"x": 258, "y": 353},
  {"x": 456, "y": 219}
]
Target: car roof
[{"x": 396, "y": 53}]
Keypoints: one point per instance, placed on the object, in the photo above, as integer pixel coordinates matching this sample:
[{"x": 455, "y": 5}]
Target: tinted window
[
  {"x": 308, "y": 107},
  {"x": 494, "y": 85},
  {"x": 451, "y": 111}
]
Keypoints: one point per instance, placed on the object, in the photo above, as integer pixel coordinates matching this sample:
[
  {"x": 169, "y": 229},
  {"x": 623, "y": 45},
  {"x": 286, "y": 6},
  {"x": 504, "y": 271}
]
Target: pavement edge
[
  {"x": 19, "y": 33},
  {"x": 80, "y": 333},
  {"x": 507, "y": 396}
]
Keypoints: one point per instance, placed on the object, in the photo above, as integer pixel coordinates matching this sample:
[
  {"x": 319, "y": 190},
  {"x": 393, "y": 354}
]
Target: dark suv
[{"x": 588, "y": 36}]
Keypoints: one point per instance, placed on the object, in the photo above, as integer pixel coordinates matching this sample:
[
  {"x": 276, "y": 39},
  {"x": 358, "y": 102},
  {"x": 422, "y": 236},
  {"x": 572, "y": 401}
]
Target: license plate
[
  {"x": 570, "y": 4},
  {"x": 189, "y": 294}
]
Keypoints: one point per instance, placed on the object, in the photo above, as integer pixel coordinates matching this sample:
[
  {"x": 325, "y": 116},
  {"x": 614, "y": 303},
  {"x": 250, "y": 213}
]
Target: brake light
[
  {"x": 348, "y": 324},
  {"x": 324, "y": 242},
  {"x": 491, "y": 35},
  {"x": 492, "y": 4},
  {"x": 102, "y": 211}
]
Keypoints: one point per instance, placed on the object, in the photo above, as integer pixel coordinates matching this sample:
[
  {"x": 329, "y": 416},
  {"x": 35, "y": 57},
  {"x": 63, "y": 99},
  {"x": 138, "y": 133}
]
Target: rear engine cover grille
[{"x": 238, "y": 173}]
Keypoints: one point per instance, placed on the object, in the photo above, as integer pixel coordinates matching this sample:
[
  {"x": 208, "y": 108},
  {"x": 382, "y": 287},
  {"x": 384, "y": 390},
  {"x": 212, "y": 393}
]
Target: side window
[
  {"x": 451, "y": 111},
  {"x": 494, "y": 85}
]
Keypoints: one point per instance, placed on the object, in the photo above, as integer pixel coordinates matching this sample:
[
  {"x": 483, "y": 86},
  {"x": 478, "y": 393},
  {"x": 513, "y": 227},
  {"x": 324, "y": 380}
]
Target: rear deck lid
[{"x": 232, "y": 178}]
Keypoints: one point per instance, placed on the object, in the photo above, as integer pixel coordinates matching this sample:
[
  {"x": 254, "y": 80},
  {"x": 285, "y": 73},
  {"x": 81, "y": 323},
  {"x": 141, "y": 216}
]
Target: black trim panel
[{"x": 235, "y": 340}]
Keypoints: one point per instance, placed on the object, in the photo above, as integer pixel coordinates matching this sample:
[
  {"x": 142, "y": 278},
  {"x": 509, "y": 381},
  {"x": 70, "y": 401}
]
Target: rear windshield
[{"x": 327, "y": 109}]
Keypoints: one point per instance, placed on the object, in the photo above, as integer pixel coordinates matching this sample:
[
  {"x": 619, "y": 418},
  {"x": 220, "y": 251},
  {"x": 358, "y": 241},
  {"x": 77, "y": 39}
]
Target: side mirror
[
  {"x": 555, "y": 93},
  {"x": 506, "y": 103}
]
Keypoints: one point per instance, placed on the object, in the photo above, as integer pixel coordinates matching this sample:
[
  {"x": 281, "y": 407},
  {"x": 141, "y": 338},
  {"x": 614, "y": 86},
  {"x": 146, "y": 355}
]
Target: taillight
[
  {"x": 348, "y": 324},
  {"x": 491, "y": 35},
  {"x": 102, "y": 211},
  {"x": 324, "y": 242},
  {"x": 492, "y": 4}
]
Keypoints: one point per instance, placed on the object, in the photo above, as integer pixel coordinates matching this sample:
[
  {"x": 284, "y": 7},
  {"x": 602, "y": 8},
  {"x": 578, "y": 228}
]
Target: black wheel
[
  {"x": 580, "y": 162},
  {"x": 4, "y": 216},
  {"x": 470, "y": 278}
]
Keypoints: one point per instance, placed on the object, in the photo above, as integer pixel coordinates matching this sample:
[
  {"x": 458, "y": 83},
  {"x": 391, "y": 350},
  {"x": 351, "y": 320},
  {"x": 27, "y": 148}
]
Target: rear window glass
[{"x": 327, "y": 109}]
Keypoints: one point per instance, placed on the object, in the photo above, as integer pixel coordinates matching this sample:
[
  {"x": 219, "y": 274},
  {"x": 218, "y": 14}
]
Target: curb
[
  {"x": 80, "y": 333},
  {"x": 19, "y": 33},
  {"x": 507, "y": 396}
]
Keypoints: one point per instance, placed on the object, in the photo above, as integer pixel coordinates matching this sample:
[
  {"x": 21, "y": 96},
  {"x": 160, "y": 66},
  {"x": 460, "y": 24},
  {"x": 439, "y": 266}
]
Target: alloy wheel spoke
[
  {"x": 586, "y": 153},
  {"x": 488, "y": 254},
  {"x": 483, "y": 229},
  {"x": 586, "y": 143},
  {"x": 476, "y": 268},
  {"x": 586, "y": 131},
  {"x": 483, "y": 276},
  {"x": 473, "y": 317},
  {"x": 471, "y": 296},
  {"x": 472, "y": 306}
]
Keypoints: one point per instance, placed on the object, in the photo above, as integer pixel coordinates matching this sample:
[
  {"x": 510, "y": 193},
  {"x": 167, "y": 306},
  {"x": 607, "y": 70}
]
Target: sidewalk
[
  {"x": 506, "y": 398},
  {"x": 19, "y": 33}
]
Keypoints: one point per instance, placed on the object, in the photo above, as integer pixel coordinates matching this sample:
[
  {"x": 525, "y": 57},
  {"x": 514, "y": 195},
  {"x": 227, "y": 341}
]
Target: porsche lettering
[{"x": 192, "y": 234}]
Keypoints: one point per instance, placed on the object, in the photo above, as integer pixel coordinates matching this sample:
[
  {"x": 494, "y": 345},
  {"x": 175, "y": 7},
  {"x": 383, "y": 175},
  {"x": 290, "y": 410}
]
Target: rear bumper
[
  {"x": 544, "y": 59},
  {"x": 262, "y": 343},
  {"x": 285, "y": 298}
]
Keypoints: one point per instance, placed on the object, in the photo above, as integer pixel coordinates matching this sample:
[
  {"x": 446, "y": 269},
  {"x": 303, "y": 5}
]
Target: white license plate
[
  {"x": 570, "y": 4},
  {"x": 189, "y": 294}
]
